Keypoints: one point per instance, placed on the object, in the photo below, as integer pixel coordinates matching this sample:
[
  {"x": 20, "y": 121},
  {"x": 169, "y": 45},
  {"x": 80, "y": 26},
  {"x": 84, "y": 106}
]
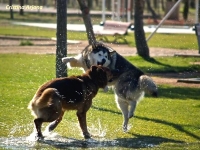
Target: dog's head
[
  {"x": 99, "y": 55},
  {"x": 101, "y": 75}
]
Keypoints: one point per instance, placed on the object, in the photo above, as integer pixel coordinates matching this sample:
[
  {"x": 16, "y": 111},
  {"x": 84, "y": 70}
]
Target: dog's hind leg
[
  {"x": 38, "y": 124},
  {"x": 132, "y": 108},
  {"x": 55, "y": 123},
  {"x": 123, "y": 105},
  {"x": 83, "y": 124}
]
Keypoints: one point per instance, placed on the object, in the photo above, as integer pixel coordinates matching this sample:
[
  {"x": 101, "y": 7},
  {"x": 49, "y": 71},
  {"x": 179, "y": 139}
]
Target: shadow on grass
[
  {"x": 140, "y": 141},
  {"x": 167, "y": 68},
  {"x": 171, "y": 124},
  {"x": 182, "y": 93},
  {"x": 153, "y": 61}
]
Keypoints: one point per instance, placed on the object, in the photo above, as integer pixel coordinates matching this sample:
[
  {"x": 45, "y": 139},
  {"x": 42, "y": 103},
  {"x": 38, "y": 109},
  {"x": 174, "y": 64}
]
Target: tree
[
  {"x": 21, "y": 11},
  {"x": 11, "y": 11},
  {"x": 186, "y": 9},
  {"x": 154, "y": 15},
  {"x": 87, "y": 21},
  {"x": 61, "y": 50},
  {"x": 141, "y": 44}
]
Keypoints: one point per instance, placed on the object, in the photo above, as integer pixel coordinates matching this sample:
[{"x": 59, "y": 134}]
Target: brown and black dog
[{"x": 53, "y": 98}]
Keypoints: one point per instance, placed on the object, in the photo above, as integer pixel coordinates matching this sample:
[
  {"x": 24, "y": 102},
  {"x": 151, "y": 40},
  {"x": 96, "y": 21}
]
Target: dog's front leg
[
  {"x": 73, "y": 61},
  {"x": 83, "y": 124}
]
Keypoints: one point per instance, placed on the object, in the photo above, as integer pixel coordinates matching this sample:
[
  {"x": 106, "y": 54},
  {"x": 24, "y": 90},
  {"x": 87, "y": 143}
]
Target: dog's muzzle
[{"x": 102, "y": 62}]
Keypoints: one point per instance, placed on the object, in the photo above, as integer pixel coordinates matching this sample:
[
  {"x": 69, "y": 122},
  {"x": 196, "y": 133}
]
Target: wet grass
[
  {"x": 175, "y": 41},
  {"x": 168, "y": 122}
]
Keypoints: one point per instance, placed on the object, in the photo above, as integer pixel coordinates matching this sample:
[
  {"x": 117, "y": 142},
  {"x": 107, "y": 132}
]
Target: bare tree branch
[{"x": 87, "y": 21}]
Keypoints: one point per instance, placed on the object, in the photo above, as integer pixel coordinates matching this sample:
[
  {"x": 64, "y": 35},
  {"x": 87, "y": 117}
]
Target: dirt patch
[
  {"x": 48, "y": 46},
  {"x": 174, "y": 82}
]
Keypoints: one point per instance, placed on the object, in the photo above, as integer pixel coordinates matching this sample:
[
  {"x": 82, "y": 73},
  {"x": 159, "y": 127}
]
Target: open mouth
[{"x": 100, "y": 63}]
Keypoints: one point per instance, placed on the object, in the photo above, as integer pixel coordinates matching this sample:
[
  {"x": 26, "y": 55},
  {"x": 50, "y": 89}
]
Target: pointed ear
[{"x": 94, "y": 68}]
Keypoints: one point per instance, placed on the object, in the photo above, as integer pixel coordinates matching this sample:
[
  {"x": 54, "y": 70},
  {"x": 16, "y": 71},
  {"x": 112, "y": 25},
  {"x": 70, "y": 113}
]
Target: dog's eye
[
  {"x": 99, "y": 54},
  {"x": 106, "y": 56}
]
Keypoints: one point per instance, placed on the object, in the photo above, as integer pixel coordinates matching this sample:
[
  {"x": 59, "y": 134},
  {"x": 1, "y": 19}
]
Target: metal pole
[
  {"x": 118, "y": 10},
  {"x": 129, "y": 11},
  {"x": 197, "y": 11},
  {"x": 103, "y": 10},
  {"x": 113, "y": 9},
  {"x": 167, "y": 15}
]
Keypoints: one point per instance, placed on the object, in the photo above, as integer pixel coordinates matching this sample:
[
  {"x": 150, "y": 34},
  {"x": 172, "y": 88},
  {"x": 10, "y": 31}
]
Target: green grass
[
  {"x": 25, "y": 43},
  {"x": 169, "y": 122},
  {"x": 166, "y": 64}
]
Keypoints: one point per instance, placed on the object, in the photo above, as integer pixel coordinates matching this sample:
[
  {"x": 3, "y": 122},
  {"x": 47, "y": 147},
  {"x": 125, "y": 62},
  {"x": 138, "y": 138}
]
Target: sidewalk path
[{"x": 81, "y": 27}]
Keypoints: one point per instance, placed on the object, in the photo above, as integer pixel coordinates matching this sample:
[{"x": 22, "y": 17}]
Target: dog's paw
[
  {"x": 125, "y": 128},
  {"x": 39, "y": 137},
  {"x": 86, "y": 135},
  {"x": 66, "y": 59}
]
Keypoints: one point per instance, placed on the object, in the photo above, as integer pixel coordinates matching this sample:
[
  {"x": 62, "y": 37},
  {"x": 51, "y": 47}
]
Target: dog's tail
[
  {"x": 147, "y": 84},
  {"x": 49, "y": 97}
]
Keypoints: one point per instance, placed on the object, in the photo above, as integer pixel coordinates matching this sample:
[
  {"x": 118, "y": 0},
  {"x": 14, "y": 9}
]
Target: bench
[{"x": 115, "y": 28}]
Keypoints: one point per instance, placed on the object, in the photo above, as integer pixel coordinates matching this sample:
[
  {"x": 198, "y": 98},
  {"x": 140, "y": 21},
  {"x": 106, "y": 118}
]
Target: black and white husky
[
  {"x": 100, "y": 55},
  {"x": 130, "y": 84}
]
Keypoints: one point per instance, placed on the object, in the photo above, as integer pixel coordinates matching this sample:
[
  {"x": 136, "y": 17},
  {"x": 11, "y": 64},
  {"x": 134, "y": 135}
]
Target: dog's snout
[{"x": 103, "y": 61}]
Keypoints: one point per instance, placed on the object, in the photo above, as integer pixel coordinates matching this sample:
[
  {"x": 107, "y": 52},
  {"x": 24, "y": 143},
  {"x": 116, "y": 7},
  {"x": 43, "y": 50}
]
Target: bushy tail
[
  {"x": 49, "y": 100},
  {"x": 148, "y": 85},
  {"x": 49, "y": 96}
]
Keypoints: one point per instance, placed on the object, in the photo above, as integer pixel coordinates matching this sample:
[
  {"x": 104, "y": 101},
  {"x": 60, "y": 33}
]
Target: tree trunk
[
  {"x": 162, "y": 3},
  {"x": 141, "y": 44},
  {"x": 87, "y": 21},
  {"x": 11, "y": 11},
  {"x": 186, "y": 9},
  {"x": 90, "y": 3},
  {"x": 21, "y": 11},
  {"x": 61, "y": 51},
  {"x": 154, "y": 15}
]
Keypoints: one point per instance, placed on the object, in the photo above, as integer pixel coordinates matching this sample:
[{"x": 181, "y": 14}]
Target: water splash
[
  {"x": 97, "y": 131},
  {"x": 54, "y": 140}
]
